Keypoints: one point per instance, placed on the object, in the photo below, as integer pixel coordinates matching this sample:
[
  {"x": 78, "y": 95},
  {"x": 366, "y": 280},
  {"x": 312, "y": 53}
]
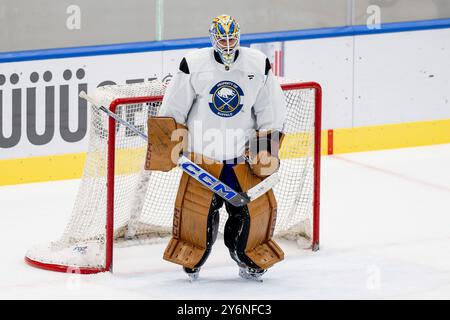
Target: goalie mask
[{"x": 225, "y": 34}]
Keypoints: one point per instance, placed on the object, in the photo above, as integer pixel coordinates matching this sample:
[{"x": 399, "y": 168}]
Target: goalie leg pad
[
  {"x": 260, "y": 248},
  {"x": 196, "y": 219}
]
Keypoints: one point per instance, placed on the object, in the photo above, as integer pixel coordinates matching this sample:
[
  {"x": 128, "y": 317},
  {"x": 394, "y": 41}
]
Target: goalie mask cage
[{"x": 119, "y": 203}]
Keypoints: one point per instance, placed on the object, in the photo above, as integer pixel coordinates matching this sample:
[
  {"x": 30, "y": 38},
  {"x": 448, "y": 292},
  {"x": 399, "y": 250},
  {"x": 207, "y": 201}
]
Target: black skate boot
[
  {"x": 192, "y": 273},
  {"x": 251, "y": 274}
]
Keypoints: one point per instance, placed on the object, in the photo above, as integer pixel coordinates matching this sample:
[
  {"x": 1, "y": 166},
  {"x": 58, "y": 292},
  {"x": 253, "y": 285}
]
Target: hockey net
[{"x": 119, "y": 203}]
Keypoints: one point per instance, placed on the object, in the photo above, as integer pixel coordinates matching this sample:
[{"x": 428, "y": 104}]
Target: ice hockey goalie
[{"x": 233, "y": 109}]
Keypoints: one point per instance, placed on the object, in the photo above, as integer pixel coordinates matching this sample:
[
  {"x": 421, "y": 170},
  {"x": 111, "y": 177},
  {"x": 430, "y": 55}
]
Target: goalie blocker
[{"x": 248, "y": 230}]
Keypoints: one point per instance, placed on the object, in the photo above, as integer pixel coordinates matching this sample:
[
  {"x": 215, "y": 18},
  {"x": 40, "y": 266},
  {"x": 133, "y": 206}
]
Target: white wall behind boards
[
  {"x": 366, "y": 80},
  {"x": 330, "y": 63},
  {"x": 402, "y": 77},
  {"x": 377, "y": 79},
  {"x": 40, "y": 84}
]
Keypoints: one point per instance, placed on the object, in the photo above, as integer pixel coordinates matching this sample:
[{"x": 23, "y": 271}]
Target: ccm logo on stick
[{"x": 206, "y": 179}]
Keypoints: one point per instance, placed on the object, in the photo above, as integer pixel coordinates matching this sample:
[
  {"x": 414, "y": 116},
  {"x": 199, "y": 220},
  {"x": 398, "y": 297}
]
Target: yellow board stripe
[
  {"x": 132, "y": 157},
  {"x": 299, "y": 145},
  {"x": 70, "y": 166},
  {"x": 392, "y": 136},
  {"x": 38, "y": 169}
]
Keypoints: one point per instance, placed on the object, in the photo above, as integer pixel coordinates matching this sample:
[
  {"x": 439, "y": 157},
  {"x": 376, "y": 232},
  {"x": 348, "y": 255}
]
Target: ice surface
[{"x": 385, "y": 235}]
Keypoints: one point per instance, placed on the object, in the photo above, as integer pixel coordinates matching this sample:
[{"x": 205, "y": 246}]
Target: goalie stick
[{"x": 237, "y": 199}]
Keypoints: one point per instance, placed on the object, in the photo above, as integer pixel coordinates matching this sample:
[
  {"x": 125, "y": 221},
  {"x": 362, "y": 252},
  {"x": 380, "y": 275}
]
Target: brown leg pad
[
  {"x": 260, "y": 248},
  {"x": 266, "y": 254},
  {"x": 190, "y": 221},
  {"x": 184, "y": 253}
]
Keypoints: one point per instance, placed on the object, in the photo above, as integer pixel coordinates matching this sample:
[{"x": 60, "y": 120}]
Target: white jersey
[{"x": 221, "y": 107}]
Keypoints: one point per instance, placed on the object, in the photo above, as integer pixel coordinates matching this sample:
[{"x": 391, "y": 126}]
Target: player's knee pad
[{"x": 195, "y": 221}]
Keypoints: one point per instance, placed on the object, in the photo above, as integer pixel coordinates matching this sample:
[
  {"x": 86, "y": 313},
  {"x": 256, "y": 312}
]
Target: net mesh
[{"x": 144, "y": 201}]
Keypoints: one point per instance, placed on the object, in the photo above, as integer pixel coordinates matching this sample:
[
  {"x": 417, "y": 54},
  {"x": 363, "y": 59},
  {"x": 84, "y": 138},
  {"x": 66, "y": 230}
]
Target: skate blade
[
  {"x": 193, "y": 277},
  {"x": 250, "y": 277},
  {"x": 253, "y": 280}
]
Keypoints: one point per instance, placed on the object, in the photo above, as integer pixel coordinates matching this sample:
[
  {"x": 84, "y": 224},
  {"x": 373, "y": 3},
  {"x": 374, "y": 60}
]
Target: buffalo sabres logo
[{"x": 226, "y": 99}]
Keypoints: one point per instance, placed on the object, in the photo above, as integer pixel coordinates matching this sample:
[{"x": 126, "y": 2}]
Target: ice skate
[
  {"x": 192, "y": 273},
  {"x": 251, "y": 274}
]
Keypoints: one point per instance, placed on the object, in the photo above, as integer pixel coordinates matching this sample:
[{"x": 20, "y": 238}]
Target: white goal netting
[{"x": 143, "y": 201}]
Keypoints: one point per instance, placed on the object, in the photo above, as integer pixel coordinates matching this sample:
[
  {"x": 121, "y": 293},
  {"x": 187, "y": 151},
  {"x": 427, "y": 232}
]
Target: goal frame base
[{"x": 63, "y": 268}]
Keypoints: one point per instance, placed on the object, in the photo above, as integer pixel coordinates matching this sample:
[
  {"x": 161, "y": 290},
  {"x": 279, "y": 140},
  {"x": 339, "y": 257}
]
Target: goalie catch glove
[{"x": 263, "y": 152}]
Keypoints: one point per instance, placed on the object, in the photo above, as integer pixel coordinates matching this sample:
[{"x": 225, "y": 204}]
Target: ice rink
[{"x": 385, "y": 234}]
